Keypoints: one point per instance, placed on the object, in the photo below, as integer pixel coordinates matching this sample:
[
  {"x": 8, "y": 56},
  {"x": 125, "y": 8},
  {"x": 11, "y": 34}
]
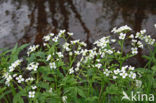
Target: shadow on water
[{"x": 27, "y": 21}]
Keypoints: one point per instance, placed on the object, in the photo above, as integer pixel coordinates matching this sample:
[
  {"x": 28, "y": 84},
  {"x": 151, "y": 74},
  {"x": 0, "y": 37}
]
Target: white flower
[
  {"x": 109, "y": 52},
  {"x": 131, "y": 68},
  {"x": 32, "y": 49},
  {"x": 77, "y": 52},
  {"x": 70, "y": 53},
  {"x": 121, "y": 29},
  {"x": 64, "y": 99},
  {"x": 52, "y": 65},
  {"x": 98, "y": 60},
  {"x": 46, "y": 38},
  {"x": 114, "y": 30},
  {"x": 98, "y": 65},
  {"x": 140, "y": 45},
  {"x": 134, "y": 42},
  {"x": 70, "y": 34},
  {"x": 131, "y": 36},
  {"x": 143, "y": 31},
  {"x": 45, "y": 44},
  {"x": 84, "y": 52},
  {"x": 83, "y": 44},
  {"x": 61, "y": 33},
  {"x": 51, "y": 34},
  {"x": 134, "y": 51},
  {"x": 123, "y": 69},
  {"x": 60, "y": 55},
  {"x": 31, "y": 94},
  {"x": 29, "y": 79},
  {"x": 14, "y": 75},
  {"x": 75, "y": 41},
  {"x": 106, "y": 72},
  {"x": 149, "y": 40},
  {"x": 122, "y": 36},
  {"x": 114, "y": 77},
  {"x": 102, "y": 43},
  {"x": 152, "y": 41},
  {"x": 34, "y": 87},
  {"x": 132, "y": 75},
  {"x": 33, "y": 66},
  {"x": 66, "y": 46},
  {"x": 78, "y": 64},
  {"x": 48, "y": 57},
  {"x": 139, "y": 35},
  {"x": 19, "y": 79},
  {"x": 50, "y": 90},
  {"x": 14, "y": 65},
  {"x": 71, "y": 70},
  {"x": 8, "y": 78},
  {"x": 118, "y": 52},
  {"x": 123, "y": 74},
  {"x": 55, "y": 39},
  {"x": 116, "y": 71},
  {"x": 77, "y": 69},
  {"x": 113, "y": 40}
]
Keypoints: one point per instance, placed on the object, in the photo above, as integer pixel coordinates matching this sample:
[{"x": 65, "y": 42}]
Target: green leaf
[
  {"x": 43, "y": 85},
  {"x": 50, "y": 79},
  {"x": 112, "y": 90},
  {"x": 154, "y": 68},
  {"x": 147, "y": 57},
  {"x": 2, "y": 89},
  {"x": 92, "y": 99},
  {"x": 15, "y": 51},
  {"x": 17, "y": 99},
  {"x": 5, "y": 93},
  {"x": 81, "y": 92}
]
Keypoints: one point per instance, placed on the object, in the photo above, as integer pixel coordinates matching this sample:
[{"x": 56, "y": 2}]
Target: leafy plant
[{"x": 67, "y": 72}]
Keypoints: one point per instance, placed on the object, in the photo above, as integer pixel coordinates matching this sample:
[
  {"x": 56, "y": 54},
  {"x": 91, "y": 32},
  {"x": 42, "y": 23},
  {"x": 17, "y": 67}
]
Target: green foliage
[{"x": 71, "y": 73}]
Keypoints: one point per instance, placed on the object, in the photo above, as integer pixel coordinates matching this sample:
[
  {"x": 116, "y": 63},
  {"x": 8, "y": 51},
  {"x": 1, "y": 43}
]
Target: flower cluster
[
  {"x": 14, "y": 65},
  {"x": 47, "y": 37},
  {"x": 125, "y": 71},
  {"x": 32, "y": 66},
  {"x": 141, "y": 35},
  {"x": 72, "y": 58},
  {"x": 52, "y": 65},
  {"x": 30, "y": 79},
  {"x": 102, "y": 42},
  {"x": 121, "y": 29},
  {"x": 8, "y": 78},
  {"x": 149, "y": 40},
  {"x": 54, "y": 38},
  {"x": 32, "y": 49}
]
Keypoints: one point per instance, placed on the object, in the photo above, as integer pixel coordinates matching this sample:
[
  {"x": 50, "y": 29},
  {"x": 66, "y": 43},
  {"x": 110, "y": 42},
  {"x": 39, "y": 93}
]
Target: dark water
[{"x": 26, "y": 21}]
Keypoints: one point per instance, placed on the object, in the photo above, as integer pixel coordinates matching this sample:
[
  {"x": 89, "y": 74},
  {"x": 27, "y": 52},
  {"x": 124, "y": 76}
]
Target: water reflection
[{"x": 26, "y": 21}]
